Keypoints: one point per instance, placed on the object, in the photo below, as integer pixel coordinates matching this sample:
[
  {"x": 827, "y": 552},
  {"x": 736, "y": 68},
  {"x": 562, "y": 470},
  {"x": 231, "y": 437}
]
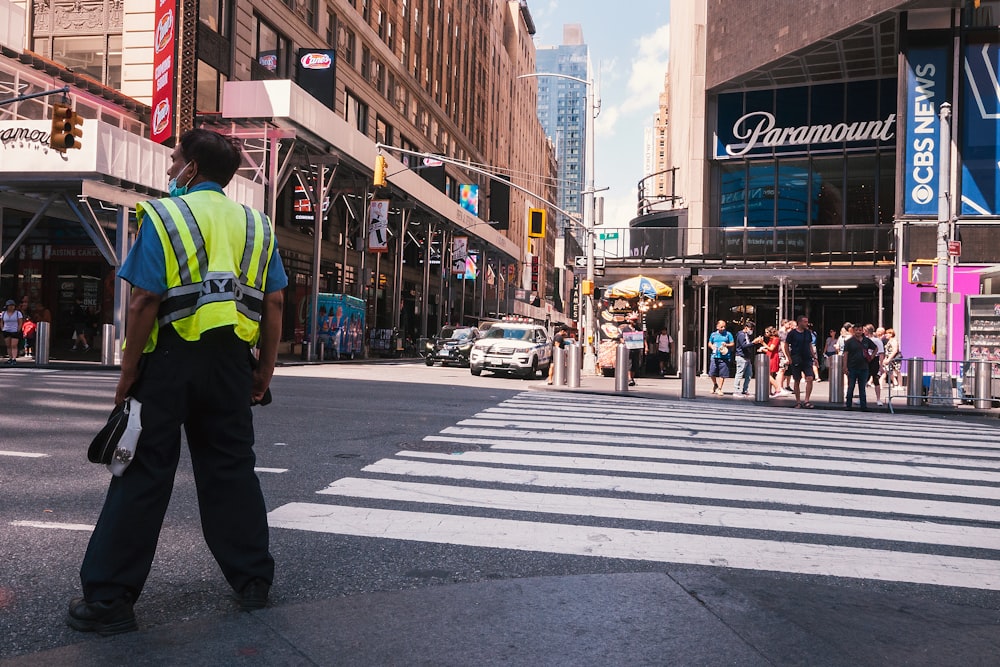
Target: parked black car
[{"x": 451, "y": 346}]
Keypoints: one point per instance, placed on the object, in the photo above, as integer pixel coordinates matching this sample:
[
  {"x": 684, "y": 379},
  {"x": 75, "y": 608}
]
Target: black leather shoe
[
  {"x": 105, "y": 617},
  {"x": 254, "y": 595}
]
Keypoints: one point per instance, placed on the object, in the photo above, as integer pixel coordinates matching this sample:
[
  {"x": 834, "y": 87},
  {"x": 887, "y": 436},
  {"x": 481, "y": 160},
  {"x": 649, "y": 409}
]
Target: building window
[
  {"x": 383, "y": 131},
  {"x": 356, "y": 112},
  {"x": 208, "y": 88},
  {"x": 215, "y": 15},
  {"x": 331, "y": 30},
  {"x": 99, "y": 56},
  {"x": 366, "y": 61},
  {"x": 272, "y": 49},
  {"x": 348, "y": 43}
]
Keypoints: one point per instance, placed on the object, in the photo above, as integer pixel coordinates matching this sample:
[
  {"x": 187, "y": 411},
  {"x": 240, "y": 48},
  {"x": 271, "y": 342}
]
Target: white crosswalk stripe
[{"x": 894, "y": 498}]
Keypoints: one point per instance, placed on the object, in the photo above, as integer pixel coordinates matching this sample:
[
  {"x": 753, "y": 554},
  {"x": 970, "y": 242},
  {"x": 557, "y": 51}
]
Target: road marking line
[
  {"x": 840, "y": 437},
  {"x": 30, "y": 455},
  {"x": 710, "y": 446},
  {"x": 803, "y": 462},
  {"x": 49, "y": 524},
  {"x": 740, "y": 553},
  {"x": 920, "y": 532},
  {"x": 690, "y": 489},
  {"x": 719, "y": 472},
  {"x": 274, "y": 470}
]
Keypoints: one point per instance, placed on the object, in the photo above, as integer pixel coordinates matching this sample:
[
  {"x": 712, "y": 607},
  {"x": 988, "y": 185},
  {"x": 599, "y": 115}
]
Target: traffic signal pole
[{"x": 30, "y": 96}]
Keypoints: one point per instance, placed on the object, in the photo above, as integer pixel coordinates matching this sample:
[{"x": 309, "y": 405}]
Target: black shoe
[
  {"x": 254, "y": 595},
  {"x": 106, "y": 617}
]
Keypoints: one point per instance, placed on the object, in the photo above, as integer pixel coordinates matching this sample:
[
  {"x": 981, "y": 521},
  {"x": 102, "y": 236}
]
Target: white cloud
[{"x": 645, "y": 82}]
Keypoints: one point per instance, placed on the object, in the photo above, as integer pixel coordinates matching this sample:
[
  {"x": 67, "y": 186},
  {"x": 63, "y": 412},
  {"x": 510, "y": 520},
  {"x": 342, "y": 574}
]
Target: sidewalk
[{"x": 670, "y": 387}]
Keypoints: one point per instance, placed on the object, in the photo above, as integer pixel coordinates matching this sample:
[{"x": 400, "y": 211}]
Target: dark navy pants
[{"x": 204, "y": 386}]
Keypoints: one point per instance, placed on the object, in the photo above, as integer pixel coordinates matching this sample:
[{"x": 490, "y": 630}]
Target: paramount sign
[{"x": 757, "y": 130}]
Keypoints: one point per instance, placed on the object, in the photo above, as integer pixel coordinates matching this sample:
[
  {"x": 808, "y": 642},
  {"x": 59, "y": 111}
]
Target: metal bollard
[
  {"x": 108, "y": 346},
  {"x": 306, "y": 350},
  {"x": 621, "y": 368},
  {"x": 835, "y": 378},
  {"x": 574, "y": 361},
  {"x": 984, "y": 399},
  {"x": 761, "y": 378},
  {"x": 689, "y": 374},
  {"x": 321, "y": 351},
  {"x": 43, "y": 334},
  {"x": 559, "y": 368},
  {"x": 915, "y": 382}
]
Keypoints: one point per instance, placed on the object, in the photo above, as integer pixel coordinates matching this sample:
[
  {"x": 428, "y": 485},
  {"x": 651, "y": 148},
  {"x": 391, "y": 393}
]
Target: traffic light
[
  {"x": 67, "y": 128},
  {"x": 587, "y": 287},
  {"x": 536, "y": 223},
  {"x": 379, "y": 180}
]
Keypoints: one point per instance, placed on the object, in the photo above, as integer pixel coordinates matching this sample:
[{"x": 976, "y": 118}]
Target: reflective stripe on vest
[{"x": 200, "y": 286}]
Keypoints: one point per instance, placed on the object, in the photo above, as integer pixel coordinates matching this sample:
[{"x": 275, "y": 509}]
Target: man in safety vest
[{"x": 207, "y": 286}]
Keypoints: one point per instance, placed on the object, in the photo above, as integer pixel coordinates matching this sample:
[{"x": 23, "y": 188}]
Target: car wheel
[
  {"x": 428, "y": 361},
  {"x": 533, "y": 371},
  {"x": 475, "y": 370}
]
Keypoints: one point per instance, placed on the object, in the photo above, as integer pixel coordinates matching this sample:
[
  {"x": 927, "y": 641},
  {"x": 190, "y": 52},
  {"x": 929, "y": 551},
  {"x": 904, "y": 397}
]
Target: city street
[{"x": 424, "y": 516}]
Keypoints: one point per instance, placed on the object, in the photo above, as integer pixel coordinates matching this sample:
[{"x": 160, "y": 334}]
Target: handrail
[{"x": 959, "y": 374}]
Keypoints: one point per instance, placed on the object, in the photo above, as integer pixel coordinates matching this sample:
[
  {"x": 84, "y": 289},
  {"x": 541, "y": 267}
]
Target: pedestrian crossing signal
[
  {"x": 67, "y": 128},
  {"x": 922, "y": 272},
  {"x": 536, "y": 223}
]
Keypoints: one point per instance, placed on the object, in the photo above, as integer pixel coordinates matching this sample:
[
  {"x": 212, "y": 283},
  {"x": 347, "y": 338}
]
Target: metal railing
[
  {"x": 945, "y": 383},
  {"x": 815, "y": 245}
]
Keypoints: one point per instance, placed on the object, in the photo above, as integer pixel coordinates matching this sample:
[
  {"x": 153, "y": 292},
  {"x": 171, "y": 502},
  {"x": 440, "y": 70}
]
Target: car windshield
[
  {"x": 458, "y": 334},
  {"x": 515, "y": 334}
]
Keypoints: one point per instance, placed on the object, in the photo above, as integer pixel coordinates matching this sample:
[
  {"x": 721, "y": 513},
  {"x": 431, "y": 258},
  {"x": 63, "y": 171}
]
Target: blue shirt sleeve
[
  {"x": 145, "y": 266},
  {"x": 276, "y": 278}
]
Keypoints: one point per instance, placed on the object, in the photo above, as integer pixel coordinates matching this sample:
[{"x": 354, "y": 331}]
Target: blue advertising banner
[
  {"x": 980, "y": 129},
  {"x": 926, "y": 89}
]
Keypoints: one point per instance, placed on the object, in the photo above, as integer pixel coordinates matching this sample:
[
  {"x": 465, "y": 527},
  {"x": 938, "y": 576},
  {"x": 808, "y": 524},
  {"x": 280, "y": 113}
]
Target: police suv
[{"x": 512, "y": 347}]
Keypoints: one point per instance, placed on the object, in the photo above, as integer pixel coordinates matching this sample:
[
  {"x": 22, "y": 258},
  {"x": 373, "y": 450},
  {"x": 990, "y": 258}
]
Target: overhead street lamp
[{"x": 589, "y": 356}]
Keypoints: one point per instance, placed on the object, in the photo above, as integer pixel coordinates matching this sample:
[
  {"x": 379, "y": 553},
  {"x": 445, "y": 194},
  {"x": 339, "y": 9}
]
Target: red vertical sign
[{"x": 162, "y": 124}]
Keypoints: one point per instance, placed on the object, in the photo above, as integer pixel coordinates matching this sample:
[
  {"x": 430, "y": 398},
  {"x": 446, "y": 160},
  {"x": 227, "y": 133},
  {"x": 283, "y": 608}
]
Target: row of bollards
[
  {"x": 43, "y": 345},
  {"x": 566, "y": 365}
]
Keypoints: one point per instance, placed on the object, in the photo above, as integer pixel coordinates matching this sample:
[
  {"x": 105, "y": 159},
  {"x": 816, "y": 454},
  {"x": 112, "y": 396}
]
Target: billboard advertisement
[
  {"x": 979, "y": 130},
  {"x": 316, "y": 73},
  {"x": 378, "y": 225},
  {"x": 468, "y": 198},
  {"x": 161, "y": 126},
  {"x": 926, "y": 89}
]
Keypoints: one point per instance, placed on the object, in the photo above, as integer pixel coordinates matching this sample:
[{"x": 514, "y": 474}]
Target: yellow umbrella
[{"x": 639, "y": 286}]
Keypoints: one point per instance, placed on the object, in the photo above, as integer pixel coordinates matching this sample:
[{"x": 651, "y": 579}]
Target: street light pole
[{"x": 589, "y": 356}]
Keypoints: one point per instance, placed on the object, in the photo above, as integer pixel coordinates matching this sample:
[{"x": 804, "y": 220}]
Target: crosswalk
[{"x": 869, "y": 496}]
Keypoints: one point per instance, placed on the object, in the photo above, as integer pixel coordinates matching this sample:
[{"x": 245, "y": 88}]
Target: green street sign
[{"x": 607, "y": 236}]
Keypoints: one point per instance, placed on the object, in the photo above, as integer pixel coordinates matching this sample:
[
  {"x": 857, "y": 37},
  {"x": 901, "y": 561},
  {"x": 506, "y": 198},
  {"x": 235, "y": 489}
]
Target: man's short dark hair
[
  {"x": 749, "y": 324},
  {"x": 218, "y": 156}
]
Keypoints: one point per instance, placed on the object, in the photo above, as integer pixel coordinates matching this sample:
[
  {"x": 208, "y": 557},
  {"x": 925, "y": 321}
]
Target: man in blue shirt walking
[{"x": 720, "y": 343}]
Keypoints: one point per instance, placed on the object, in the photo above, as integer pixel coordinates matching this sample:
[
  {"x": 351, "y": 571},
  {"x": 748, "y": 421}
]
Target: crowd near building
[{"x": 319, "y": 94}]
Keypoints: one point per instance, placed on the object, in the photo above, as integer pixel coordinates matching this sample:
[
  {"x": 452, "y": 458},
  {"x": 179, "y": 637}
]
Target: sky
[{"x": 628, "y": 53}]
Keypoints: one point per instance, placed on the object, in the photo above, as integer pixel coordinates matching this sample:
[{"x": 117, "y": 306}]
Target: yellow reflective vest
[{"x": 216, "y": 253}]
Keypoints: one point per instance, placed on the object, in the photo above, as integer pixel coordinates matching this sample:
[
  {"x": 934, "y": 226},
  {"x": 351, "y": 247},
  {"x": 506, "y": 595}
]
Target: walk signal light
[
  {"x": 536, "y": 223},
  {"x": 379, "y": 180},
  {"x": 587, "y": 287},
  {"x": 67, "y": 128}
]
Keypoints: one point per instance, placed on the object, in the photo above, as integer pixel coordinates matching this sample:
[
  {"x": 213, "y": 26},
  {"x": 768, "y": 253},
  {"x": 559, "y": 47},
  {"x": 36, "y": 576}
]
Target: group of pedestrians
[
  {"x": 19, "y": 324},
  {"x": 794, "y": 362}
]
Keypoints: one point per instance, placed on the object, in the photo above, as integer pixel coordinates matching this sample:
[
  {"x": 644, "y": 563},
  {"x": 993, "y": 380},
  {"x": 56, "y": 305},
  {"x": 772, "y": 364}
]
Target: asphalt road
[{"x": 347, "y": 429}]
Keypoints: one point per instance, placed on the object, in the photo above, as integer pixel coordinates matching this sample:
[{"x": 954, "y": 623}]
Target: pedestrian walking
[
  {"x": 663, "y": 344},
  {"x": 12, "y": 321},
  {"x": 721, "y": 343},
  {"x": 187, "y": 359},
  {"x": 801, "y": 352},
  {"x": 875, "y": 365},
  {"x": 745, "y": 349},
  {"x": 893, "y": 354},
  {"x": 859, "y": 352}
]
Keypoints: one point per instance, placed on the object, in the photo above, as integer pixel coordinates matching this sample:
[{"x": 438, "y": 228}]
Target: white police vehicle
[{"x": 512, "y": 347}]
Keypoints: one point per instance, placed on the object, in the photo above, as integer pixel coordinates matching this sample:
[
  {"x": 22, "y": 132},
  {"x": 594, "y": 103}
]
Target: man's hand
[
  {"x": 270, "y": 333},
  {"x": 142, "y": 308}
]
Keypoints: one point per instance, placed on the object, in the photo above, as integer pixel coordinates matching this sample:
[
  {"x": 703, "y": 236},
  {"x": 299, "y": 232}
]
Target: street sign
[
  {"x": 954, "y": 248},
  {"x": 607, "y": 236},
  {"x": 581, "y": 261}
]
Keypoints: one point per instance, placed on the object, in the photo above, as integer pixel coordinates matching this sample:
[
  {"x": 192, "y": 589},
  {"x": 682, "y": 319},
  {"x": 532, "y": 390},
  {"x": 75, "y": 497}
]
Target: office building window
[
  {"x": 98, "y": 56},
  {"x": 272, "y": 49},
  {"x": 214, "y": 14},
  {"x": 208, "y": 88},
  {"x": 356, "y": 112}
]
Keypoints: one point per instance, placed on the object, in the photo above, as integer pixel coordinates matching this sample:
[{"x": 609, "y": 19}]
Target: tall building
[
  {"x": 809, "y": 159},
  {"x": 315, "y": 91},
  {"x": 656, "y": 190},
  {"x": 562, "y": 105}
]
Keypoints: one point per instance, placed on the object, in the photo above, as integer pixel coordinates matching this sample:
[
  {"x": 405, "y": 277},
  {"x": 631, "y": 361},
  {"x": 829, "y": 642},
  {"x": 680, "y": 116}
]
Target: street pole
[
  {"x": 941, "y": 380},
  {"x": 589, "y": 356}
]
